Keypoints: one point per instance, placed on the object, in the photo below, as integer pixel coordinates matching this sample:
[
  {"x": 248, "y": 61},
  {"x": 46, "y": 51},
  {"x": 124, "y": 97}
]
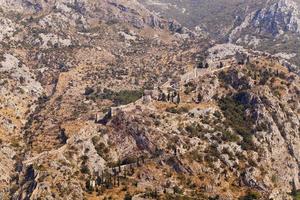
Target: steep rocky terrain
[
  {"x": 271, "y": 26},
  {"x": 107, "y": 100},
  {"x": 274, "y": 28},
  {"x": 54, "y": 52}
]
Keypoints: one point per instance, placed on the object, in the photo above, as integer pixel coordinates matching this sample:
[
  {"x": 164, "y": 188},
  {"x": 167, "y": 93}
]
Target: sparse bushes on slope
[
  {"x": 101, "y": 148},
  {"x": 189, "y": 87},
  {"x": 194, "y": 129},
  {"x": 235, "y": 114},
  {"x": 250, "y": 196},
  {"x": 230, "y": 137}
]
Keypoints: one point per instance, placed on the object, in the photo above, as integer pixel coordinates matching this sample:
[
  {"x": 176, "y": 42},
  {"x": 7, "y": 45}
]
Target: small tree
[
  {"x": 119, "y": 166},
  {"x": 178, "y": 99},
  {"x": 248, "y": 60},
  {"x": 84, "y": 169},
  {"x": 163, "y": 97},
  {"x": 88, "y": 91},
  {"x": 199, "y": 97},
  {"x": 221, "y": 65},
  {"x": 118, "y": 180},
  {"x": 200, "y": 65},
  {"x": 88, "y": 186},
  {"x": 62, "y": 136}
]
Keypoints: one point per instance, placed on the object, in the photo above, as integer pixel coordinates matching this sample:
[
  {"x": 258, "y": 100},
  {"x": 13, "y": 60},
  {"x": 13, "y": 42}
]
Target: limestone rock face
[{"x": 279, "y": 18}]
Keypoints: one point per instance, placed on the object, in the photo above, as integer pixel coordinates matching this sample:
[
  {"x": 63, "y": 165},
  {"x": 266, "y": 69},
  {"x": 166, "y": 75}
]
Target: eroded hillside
[
  {"x": 271, "y": 26},
  {"x": 107, "y": 100},
  {"x": 54, "y": 52}
]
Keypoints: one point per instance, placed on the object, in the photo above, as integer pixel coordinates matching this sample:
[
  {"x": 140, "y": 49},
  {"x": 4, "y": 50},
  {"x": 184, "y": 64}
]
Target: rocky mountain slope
[
  {"x": 54, "y": 52},
  {"x": 107, "y": 100},
  {"x": 271, "y": 26},
  {"x": 274, "y": 28}
]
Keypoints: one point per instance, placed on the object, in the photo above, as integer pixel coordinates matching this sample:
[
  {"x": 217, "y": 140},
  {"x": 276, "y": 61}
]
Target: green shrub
[
  {"x": 15, "y": 144},
  {"x": 95, "y": 140},
  {"x": 217, "y": 114},
  {"x": 88, "y": 91},
  {"x": 177, "y": 110},
  {"x": 250, "y": 196},
  {"x": 177, "y": 190},
  {"x": 229, "y": 137},
  {"x": 194, "y": 129},
  {"x": 101, "y": 149},
  {"x": 265, "y": 76},
  {"x": 235, "y": 114},
  {"x": 84, "y": 169},
  {"x": 128, "y": 160},
  {"x": 84, "y": 158},
  {"x": 127, "y": 96},
  {"x": 150, "y": 194},
  {"x": 122, "y": 97},
  {"x": 128, "y": 196},
  {"x": 189, "y": 87},
  {"x": 296, "y": 195},
  {"x": 196, "y": 155},
  {"x": 263, "y": 126},
  {"x": 89, "y": 188}
]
